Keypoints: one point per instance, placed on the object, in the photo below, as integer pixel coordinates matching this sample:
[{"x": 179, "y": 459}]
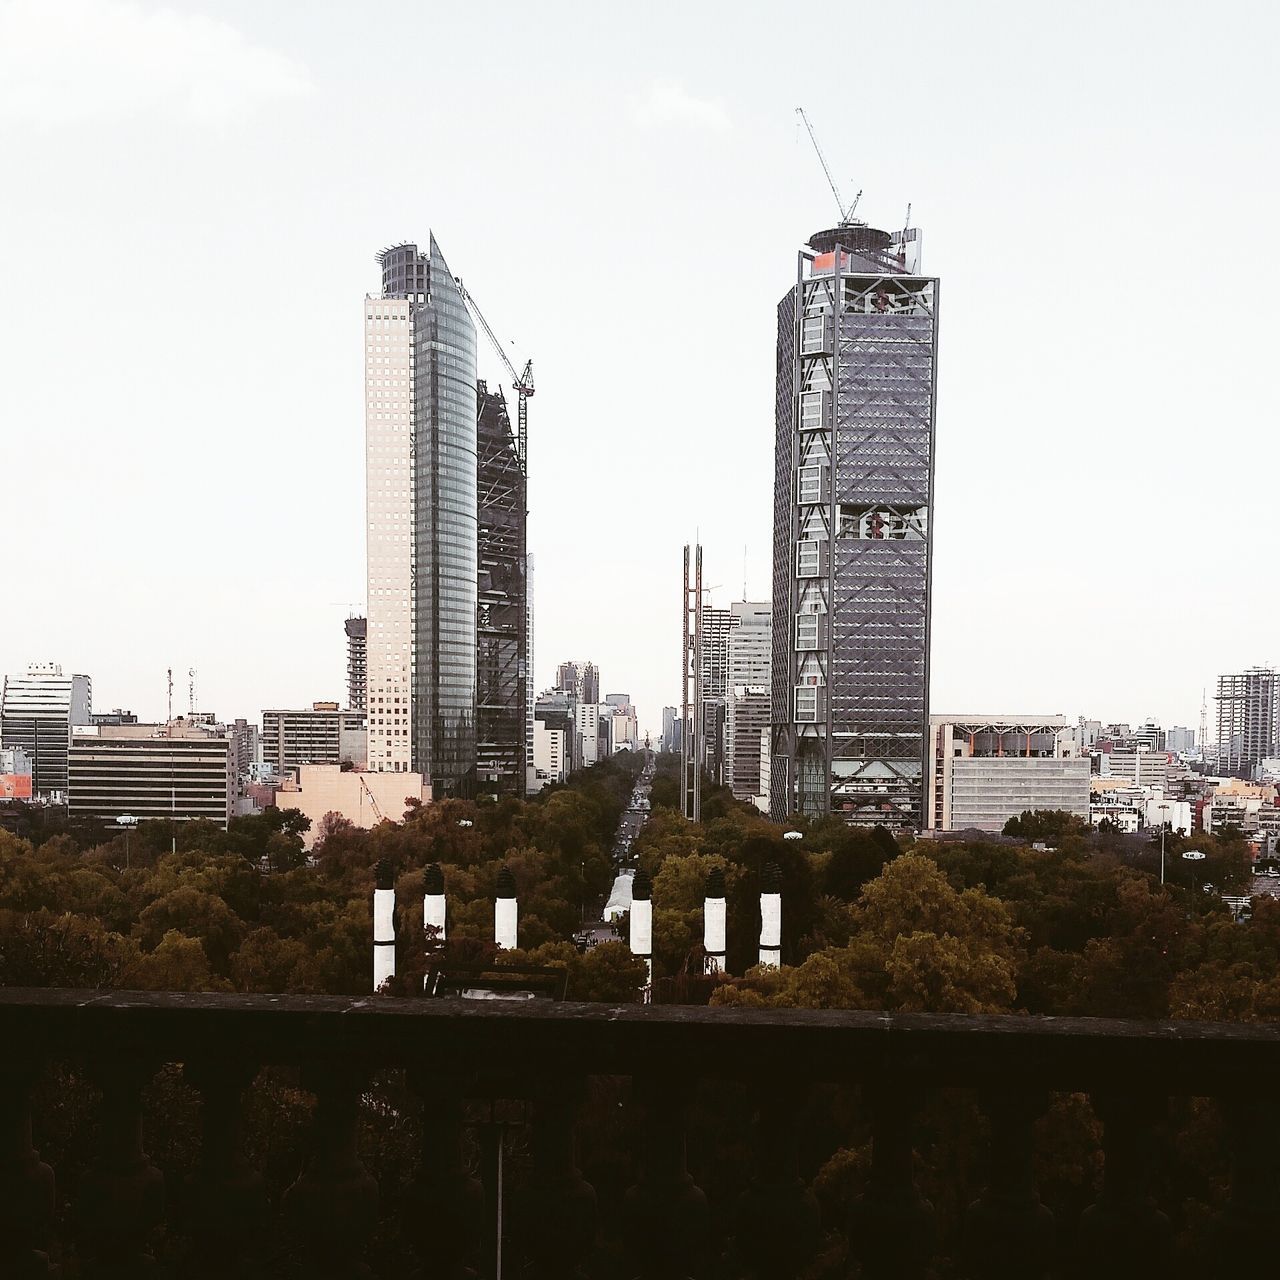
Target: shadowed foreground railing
[{"x": 454, "y": 1052}]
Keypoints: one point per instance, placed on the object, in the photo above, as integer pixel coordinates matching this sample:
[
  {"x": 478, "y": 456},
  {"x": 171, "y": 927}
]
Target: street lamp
[
  {"x": 1193, "y": 856},
  {"x": 1164, "y": 826},
  {"x": 128, "y": 822}
]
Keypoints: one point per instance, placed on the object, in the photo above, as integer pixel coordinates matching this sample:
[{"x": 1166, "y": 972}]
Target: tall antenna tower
[
  {"x": 169, "y": 673},
  {"x": 691, "y": 749},
  {"x": 1204, "y": 725},
  {"x": 191, "y": 692}
]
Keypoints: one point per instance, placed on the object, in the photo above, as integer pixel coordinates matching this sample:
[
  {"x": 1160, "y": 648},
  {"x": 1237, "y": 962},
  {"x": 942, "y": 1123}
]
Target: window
[
  {"x": 812, "y": 332},
  {"x": 807, "y": 630},
  {"x": 806, "y": 704},
  {"x": 809, "y": 558},
  {"x": 814, "y": 410},
  {"x": 809, "y": 484}
]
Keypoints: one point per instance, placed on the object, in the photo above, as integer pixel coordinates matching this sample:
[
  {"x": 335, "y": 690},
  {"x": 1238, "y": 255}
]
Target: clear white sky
[{"x": 193, "y": 195}]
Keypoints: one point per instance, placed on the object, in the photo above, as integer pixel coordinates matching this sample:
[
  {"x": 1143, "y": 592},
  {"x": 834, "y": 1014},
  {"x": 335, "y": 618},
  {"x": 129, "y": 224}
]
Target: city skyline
[{"x": 1095, "y": 426}]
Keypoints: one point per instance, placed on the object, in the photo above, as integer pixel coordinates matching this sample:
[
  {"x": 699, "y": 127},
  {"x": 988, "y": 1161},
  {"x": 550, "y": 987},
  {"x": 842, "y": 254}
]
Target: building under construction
[{"x": 502, "y": 622}]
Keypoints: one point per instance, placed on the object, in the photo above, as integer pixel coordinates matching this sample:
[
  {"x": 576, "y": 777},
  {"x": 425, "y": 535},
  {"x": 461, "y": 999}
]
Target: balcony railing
[{"x": 534, "y": 1059}]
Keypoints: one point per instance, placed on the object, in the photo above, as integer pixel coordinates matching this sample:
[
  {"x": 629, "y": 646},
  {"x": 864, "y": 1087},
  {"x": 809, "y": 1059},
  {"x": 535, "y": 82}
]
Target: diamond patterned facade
[{"x": 853, "y": 494}]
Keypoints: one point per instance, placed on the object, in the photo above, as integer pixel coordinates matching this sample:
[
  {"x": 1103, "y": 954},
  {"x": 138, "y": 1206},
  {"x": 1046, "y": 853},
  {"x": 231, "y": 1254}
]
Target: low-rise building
[
  {"x": 363, "y": 799},
  {"x": 181, "y": 771},
  {"x": 325, "y": 734},
  {"x": 15, "y": 774},
  {"x": 985, "y": 770}
]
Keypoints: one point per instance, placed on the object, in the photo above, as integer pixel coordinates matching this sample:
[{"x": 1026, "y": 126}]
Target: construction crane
[
  {"x": 521, "y": 382},
  {"x": 372, "y": 800},
  {"x": 846, "y": 215}
]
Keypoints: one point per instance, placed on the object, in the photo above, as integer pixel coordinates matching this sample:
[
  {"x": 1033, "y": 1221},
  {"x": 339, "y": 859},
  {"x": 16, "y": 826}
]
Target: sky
[{"x": 194, "y": 194}]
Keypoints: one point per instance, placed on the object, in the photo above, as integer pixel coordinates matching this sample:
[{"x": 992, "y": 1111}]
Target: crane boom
[
  {"x": 522, "y": 383},
  {"x": 831, "y": 182}
]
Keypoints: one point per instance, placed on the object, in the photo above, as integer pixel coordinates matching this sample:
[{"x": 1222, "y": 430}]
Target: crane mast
[{"x": 522, "y": 382}]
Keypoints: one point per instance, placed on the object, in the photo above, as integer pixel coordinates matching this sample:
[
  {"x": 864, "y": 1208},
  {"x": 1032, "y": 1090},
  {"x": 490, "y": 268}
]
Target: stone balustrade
[{"x": 534, "y": 1068}]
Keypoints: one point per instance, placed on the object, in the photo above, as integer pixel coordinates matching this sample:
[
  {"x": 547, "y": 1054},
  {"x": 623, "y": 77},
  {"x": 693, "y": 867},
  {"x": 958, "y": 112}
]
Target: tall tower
[
  {"x": 357, "y": 630},
  {"x": 853, "y": 498},
  {"x": 420, "y": 417},
  {"x": 1248, "y": 720},
  {"x": 502, "y": 631}
]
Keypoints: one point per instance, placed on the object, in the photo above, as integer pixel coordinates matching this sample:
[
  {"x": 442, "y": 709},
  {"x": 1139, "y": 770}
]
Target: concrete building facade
[
  {"x": 181, "y": 770},
  {"x": 357, "y": 631},
  {"x": 324, "y": 734},
  {"x": 1248, "y": 720},
  {"x": 361, "y": 797},
  {"x": 984, "y": 770}
]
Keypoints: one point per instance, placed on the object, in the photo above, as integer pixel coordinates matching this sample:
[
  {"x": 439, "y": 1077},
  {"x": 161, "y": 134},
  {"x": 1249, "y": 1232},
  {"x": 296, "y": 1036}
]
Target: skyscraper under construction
[
  {"x": 853, "y": 498},
  {"x": 502, "y": 631}
]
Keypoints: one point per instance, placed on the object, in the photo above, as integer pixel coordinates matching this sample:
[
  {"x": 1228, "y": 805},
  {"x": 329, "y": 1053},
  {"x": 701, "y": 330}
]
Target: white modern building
[
  {"x": 551, "y": 756},
  {"x": 38, "y": 711},
  {"x": 984, "y": 770}
]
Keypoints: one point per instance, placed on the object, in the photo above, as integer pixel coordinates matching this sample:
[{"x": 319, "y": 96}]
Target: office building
[
  {"x": 324, "y": 734},
  {"x": 984, "y": 770},
  {"x": 670, "y": 719},
  {"x": 357, "y": 630},
  {"x": 1136, "y": 764},
  {"x": 747, "y": 712},
  {"x": 180, "y": 770},
  {"x": 1247, "y": 720},
  {"x": 587, "y": 727},
  {"x": 420, "y": 418},
  {"x": 1181, "y": 741},
  {"x": 853, "y": 496},
  {"x": 750, "y": 644},
  {"x": 38, "y": 710},
  {"x": 580, "y": 678},
  {"x": 556, "y": 758},
  {"x": 502, "y": 633},
  {"x": 118, "y": 716}
]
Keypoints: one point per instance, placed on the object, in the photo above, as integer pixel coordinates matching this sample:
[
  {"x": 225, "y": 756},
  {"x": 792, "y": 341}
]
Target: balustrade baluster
[
  {"x": 1008, "y": 1233},
  {"x": 1246, "y": 1231},
  {"x": 26, "y": 1182},
  {"x": 561, "y": 1225},
  {"x": 1124, "y": 1234},
  {"x": 121, "y": 1199},
  {"x": 333, "y": 1206},
  {"x": 778, "y": 1217},
  {"x": 892, "y": 1230},
  {"x": 444, "y": 1205},
  {"x": 224, "y": 1199},
  {"x": 666, "y": 1211}
]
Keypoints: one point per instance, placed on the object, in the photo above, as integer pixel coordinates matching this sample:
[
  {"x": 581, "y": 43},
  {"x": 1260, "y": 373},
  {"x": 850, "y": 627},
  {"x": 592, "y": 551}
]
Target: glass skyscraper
[
  {"x": 853, "y": 498},
  {"x": 420, "y": 413}
]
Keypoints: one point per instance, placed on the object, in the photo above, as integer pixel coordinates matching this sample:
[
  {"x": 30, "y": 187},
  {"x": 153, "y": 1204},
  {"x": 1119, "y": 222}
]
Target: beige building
[
  {"x": 388, "y": 362},
  {"x": 363, "y": 798}
]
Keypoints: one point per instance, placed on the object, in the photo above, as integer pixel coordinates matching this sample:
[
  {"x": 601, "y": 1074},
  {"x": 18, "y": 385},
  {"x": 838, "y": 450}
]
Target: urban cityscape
[{"x": 398, "y": 878}]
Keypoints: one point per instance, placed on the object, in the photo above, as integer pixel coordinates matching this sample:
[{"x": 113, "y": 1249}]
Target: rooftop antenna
[
  {"x": 906, "y": 222},
  {"x": 170, "y": 675},
  {"x": 846, "y": 215},
  {"x": 191, "y": 692},
  {"x": 744, "y": 571}
]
